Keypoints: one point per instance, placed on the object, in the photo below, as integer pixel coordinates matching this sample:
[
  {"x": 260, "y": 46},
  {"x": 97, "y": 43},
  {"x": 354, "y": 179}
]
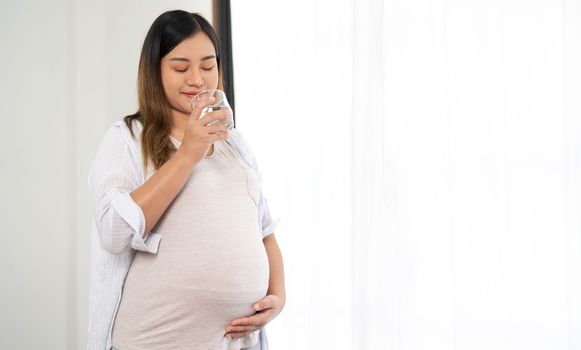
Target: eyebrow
[{"x": 183, "y": 59}]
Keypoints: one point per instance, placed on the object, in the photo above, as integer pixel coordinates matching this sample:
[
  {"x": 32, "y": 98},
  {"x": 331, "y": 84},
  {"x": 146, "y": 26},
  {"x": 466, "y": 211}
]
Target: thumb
[{"x": 263, "y": 304}]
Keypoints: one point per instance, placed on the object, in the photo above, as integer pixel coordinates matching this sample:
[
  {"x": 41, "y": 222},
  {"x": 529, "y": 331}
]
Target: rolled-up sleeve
[
  {"x": 265, "y": 219},
  {"x": 268, "y": 224},
  {"x": 113, "y": 175}
]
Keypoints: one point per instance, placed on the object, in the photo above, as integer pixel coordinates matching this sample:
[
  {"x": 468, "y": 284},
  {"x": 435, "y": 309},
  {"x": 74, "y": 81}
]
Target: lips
[{"x": 190, "y": 94}]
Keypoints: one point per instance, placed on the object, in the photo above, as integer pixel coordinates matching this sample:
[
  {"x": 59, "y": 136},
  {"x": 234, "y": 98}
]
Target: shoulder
[
  {"x": 119, "y": 137},
  {"x": 129, "y": 134},
  {"x": 118, "y": 144},
  {"x": 239, "y": 142}
]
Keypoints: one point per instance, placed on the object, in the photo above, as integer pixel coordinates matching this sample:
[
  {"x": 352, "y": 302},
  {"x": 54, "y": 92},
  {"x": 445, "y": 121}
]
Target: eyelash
[{"x": 183, "y": 70}]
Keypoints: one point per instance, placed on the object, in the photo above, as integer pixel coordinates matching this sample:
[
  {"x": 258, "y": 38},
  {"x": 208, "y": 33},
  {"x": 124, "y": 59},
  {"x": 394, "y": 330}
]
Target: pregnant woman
[{"x": 183, "y": 251}]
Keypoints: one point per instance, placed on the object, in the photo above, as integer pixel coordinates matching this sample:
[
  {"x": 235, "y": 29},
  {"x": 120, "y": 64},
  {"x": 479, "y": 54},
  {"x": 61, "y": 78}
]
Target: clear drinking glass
[{"x": 220, "y": 103}]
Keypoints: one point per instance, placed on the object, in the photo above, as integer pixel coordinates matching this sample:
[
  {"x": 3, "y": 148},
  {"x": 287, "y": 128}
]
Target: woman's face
[{"x": 186, "y": 70}]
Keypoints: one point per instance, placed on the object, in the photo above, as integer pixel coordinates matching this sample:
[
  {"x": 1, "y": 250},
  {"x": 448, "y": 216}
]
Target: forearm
[
  {"x": 276, "y": 279},
  {"x": 156, "y": 194}
]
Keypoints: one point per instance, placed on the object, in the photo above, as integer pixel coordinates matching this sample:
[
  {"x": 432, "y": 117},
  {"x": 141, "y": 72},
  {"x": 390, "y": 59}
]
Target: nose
[{"x": 194, "y": 78}]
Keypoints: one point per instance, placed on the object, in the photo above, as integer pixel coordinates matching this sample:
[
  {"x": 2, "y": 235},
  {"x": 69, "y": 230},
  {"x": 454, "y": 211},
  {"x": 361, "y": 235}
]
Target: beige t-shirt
[{"x": 210, "y": 269}]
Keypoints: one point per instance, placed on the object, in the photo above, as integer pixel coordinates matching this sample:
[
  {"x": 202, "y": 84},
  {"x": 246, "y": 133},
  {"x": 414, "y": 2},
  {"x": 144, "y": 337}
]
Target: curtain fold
[{"x": 425, "y": 158}]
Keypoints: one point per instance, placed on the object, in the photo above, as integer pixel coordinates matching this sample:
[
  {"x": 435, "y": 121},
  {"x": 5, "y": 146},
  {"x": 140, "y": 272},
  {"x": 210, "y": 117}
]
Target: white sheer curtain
[{"x": 425, "y": 159}]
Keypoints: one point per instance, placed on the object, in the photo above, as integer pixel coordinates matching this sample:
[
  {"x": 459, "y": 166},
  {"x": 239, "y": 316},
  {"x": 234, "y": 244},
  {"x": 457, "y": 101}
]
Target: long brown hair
[{"x": 154, "y": 112}]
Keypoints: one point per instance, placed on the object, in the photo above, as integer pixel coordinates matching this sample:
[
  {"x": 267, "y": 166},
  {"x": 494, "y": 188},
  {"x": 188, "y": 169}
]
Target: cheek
[
  {"x": 164, "y": 80},
  {"x": 170, "y": 83},
  {"x": 212, "y": 79},
  {"x": 167, "y": 80}
]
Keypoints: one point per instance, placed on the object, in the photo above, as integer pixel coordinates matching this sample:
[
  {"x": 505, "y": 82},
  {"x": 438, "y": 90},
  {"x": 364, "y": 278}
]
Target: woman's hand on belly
[{"x": 266, "y": 309}]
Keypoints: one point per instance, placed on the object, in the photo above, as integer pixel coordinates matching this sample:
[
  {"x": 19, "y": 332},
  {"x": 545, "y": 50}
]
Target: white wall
[{"x": 68, "y": 71}]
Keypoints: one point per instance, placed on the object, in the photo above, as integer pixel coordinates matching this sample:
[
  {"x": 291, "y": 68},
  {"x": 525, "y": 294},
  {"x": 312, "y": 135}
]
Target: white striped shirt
[{"x": 119, "y": 224}]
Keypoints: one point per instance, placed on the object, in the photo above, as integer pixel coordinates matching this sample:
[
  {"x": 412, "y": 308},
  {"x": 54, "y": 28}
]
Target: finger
[
  {"x": 235, "y": 335},
  {"x": 242, "y": 328},
  {"x": 265, "y": 303},
  {"x": 220, "y": 115},
  {"x": 218, "y": 136},
  {"x": 256, "y": 320},
  {"x": 214, "y": 128},
  {"x": 199, "y": 106}
]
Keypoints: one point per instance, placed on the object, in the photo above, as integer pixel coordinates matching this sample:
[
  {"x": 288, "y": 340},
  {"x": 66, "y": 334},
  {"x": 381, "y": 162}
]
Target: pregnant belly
[
  {"x": 186, "y": 319},
  {"x": 185, "y": 296},
  {"x": 236, "y": 262}
]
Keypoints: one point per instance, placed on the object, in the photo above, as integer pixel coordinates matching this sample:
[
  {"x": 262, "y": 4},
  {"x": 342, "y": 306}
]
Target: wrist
[
  {"x": 183, "y": 159},
  {"x": 279, "y": 294}
]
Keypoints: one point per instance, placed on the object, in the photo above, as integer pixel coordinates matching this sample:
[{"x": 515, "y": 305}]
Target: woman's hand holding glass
[
  {"x": 220, "y": 103},
  {"x": 206, "y": 125}
]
